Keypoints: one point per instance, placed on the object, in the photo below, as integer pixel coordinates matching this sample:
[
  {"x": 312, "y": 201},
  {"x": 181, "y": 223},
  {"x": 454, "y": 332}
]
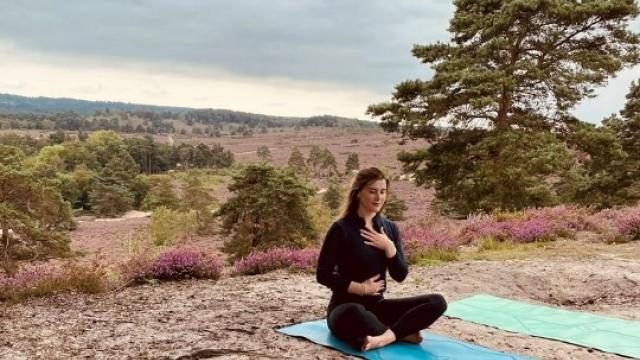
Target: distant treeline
[
  {"x": 46, "y": 105},
  {"x": 17, "y": 112}
]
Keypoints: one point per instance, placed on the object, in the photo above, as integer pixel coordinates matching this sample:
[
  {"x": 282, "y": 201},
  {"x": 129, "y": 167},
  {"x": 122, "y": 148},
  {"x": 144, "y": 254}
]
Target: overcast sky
[{"x": 278, "y": 57}]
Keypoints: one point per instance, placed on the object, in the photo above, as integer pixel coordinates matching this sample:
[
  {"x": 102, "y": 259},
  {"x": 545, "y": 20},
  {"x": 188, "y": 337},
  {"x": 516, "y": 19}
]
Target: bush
[
  {"x": 527, "y": 225},
  {"x": 167, "y": 225},
  {"x": 567, "y": 219},
  {"x": 278, "y": 258},
  {"x": 394, "y": 208},
  {"x": 517, "y": 231},
  {"x": 44, "y": 280},
  {"x": 196, "y": 198},
  {"x": 296, "y": 161},
  {"x": 424, "y": 243},
  {"x": 320, "y": 214},
  {"x": 332, "y": 197},
  {"x": 171, "y": 265},
  {"x": 616, "y": 225},
  {"x": 264, "y": 153},
  {"x": 110, "y": 200},
  {"x": 160, "y": 193}
]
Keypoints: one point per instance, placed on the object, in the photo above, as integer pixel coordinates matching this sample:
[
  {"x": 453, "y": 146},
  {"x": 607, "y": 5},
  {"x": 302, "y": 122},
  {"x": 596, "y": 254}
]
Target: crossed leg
[{"x": 385, "y": 321}]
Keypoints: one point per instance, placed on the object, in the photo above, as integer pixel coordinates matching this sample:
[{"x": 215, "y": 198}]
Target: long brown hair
[{"x": 364, "y": 176}]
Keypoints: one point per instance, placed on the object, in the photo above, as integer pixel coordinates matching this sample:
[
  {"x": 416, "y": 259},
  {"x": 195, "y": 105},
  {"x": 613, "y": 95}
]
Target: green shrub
[
  {"x": 394, "y": 208},
  {"x": 268, "y": 209},
  {"x": 167, "y": 225},
  {"x": 160, "y": 193}
]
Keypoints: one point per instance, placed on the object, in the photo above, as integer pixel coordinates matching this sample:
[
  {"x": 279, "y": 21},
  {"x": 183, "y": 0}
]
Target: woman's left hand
[{"x": 379, "y": 240}]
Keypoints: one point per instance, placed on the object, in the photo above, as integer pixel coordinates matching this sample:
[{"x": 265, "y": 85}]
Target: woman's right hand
[{"x": 373, "y": 286}]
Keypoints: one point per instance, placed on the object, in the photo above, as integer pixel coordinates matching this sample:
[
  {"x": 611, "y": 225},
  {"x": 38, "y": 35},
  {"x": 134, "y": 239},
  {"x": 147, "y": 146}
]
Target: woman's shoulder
[
  {"x": 386, "y": 221},
  {"x": 336, "y": 225}
]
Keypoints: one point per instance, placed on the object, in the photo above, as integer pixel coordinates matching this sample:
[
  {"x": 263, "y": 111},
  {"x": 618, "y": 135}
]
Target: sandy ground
[{"x": 235, "y": 317}]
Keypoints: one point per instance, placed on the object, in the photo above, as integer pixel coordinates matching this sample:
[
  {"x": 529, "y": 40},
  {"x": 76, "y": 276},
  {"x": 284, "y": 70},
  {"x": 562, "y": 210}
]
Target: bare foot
[
  {"x": 414, "y": 338},
  {"x": 374, "y": 342}
]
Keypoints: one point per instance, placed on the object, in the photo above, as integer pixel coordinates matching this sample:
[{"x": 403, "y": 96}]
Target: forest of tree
[
  {"x": 103, "y": 174},
  {"x": 18, "y": 112}
]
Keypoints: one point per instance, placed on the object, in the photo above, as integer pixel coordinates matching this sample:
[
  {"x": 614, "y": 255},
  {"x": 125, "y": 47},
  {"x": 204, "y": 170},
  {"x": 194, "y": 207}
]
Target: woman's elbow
[
  {"x": 322, "y": 278},
  {"x": 400, "y": 275}
]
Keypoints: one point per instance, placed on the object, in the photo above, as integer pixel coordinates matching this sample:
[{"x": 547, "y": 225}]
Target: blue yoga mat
[{"x": 434, "y": 347}]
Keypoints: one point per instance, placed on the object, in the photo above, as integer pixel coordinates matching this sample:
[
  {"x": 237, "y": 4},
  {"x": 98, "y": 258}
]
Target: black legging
[{"x": 352, "y": 322}]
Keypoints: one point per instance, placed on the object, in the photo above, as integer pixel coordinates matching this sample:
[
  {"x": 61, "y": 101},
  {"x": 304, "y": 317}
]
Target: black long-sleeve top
[{"x": 345, "y": 257}]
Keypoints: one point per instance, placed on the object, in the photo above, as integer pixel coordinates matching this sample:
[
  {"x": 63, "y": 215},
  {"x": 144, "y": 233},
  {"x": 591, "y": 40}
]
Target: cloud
[
  {"x": 287, "y": 57},
  {"x": 348, "y": 41},
  {"x": 39, "y": 75}
]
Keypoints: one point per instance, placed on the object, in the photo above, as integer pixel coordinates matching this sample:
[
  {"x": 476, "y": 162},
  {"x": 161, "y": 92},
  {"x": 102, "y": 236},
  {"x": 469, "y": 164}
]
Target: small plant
[
  {"x": 264, "y": 153},
  {"x": 616, "y": 225},
  {"x": 424, "y": 243},
  {"x": 171, "y": 265},
  {"x": 277, "y": 258},
  {"x": 135, "y": 242},
  {"x": 167, "y": 225},
  {"x": 47, "y": 280},
  {"x": 528, "y": 225}
]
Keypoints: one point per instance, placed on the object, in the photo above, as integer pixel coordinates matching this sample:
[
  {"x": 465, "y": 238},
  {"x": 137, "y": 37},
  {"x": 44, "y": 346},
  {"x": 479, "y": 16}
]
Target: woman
[{"x": 357, "y": 251}]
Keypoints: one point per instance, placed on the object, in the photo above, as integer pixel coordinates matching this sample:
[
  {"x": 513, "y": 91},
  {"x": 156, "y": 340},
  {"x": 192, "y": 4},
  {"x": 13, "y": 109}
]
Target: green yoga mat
[
  {"x": 608, "y": 334},
  {"x": 434, "y": 347}
]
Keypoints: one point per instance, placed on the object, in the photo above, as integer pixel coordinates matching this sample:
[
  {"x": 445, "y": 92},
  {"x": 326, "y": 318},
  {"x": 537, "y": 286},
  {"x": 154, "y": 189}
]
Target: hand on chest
[{"x": 367, "y": 244}]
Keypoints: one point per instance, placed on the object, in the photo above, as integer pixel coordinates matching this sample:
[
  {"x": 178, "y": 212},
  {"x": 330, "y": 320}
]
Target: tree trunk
[
  {"x": 5, "y": 243},
  {"x": 502, "y": 120}
]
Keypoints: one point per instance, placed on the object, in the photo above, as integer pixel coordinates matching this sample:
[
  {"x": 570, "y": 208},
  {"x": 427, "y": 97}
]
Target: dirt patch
[
  {"x": 106, "y": 240},
  {"x": 235, "y": 318}
]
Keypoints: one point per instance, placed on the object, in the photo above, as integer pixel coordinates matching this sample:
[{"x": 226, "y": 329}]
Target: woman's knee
[
  {"x": 345, "y": 313},
  {"x": 439, "y": 303},
  {"x": 349, "y": 309}
]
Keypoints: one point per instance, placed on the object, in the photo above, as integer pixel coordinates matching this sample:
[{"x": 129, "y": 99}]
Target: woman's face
[{"x": 372, "y": 196}]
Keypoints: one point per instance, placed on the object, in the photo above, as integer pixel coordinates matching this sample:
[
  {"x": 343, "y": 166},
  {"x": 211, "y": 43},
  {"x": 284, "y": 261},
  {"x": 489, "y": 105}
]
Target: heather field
[{"x": 117, "y": 301}]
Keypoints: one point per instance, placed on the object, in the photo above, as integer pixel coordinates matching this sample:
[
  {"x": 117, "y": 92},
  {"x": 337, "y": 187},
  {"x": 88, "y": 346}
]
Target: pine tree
[
  {"x": 264, "y": 153},
  {"x": 34, "y": 217},
  {"x": 333, "y": 196},
  {"x": 268, "y": 209},
  {"x": 196, "y": 198},
  {"x": 511, "y": 73},
  {"x": 329, "y": 163},
  {"x": 296, "y": 161},
  {"x": 315, "y": 159},
  {"x": 352, "y": 163},
  {"x": 160, "y": 193}
]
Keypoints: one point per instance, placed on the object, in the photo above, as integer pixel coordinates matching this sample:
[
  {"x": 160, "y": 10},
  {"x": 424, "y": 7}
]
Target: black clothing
[
  {"x": 351, "y": 322},
  {"x": 344, "y": 249},
  {"x": 345, "y": 257}
]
